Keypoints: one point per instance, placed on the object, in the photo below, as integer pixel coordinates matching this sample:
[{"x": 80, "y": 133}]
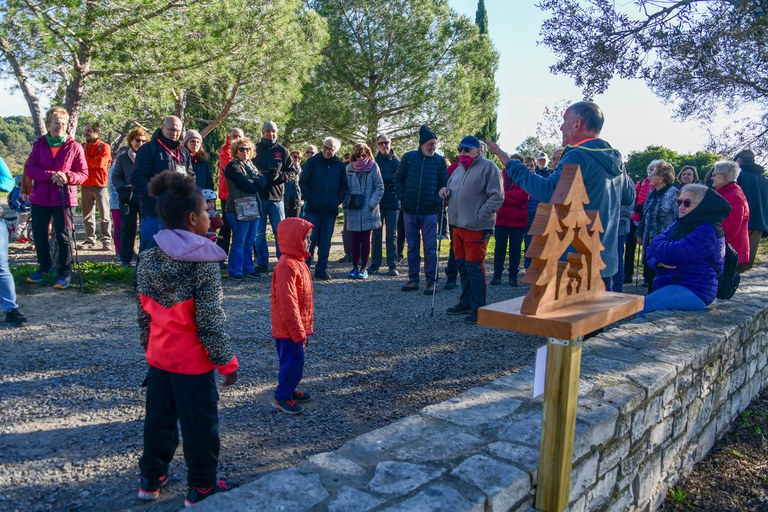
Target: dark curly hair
[{"x": 177, "y": 195}]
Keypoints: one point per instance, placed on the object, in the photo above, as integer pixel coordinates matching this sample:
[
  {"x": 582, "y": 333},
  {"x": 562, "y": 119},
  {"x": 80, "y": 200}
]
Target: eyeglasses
[
  {"x": 326, "y": 148},
  {"x": 383, "y": 143},
  {"x": 463, "y": 149},
  {"x": 243, "y": 149},
  {"x": 142, "y": 141},
  {"x": 685, "y": 202}
]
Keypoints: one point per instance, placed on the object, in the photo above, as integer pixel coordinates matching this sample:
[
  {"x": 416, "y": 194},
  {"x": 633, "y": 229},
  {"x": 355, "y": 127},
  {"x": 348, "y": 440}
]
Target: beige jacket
[{"x": 476, "y": 195}]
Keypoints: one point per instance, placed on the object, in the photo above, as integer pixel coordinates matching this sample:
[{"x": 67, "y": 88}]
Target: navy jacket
[
  {"x": 388, "y": 166},
  {"x": 203, "y": 174},
  {"x": 323, "y": 185},
  {"x": 274, "y": 162},
  {"x": 151, "y": 160},
  {"x": 533, "y": 203},
  {"x": 418, "y": 180},
  {"x": 755, "y": 186}
]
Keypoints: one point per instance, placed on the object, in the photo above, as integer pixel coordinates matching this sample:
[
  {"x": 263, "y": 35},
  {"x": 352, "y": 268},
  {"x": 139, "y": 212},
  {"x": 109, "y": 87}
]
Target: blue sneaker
[
  {"x": 62, "y": 282},
  {"x": 354, "y": 274},
  {"x": 36, "y": 278},
  {"x": 363, "y": 274}
]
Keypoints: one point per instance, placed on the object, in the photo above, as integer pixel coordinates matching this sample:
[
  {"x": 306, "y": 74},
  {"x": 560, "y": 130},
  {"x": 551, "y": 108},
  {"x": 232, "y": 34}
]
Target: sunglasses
[
  {"x": 383, "y": 143},
  {"x": 685, "y": 202},
  {"x": 143, "y": 141},
  {"x": 463, "y": 149},
  {"x": 326, "y": 148},
  {"x": 243, "y": 149}
]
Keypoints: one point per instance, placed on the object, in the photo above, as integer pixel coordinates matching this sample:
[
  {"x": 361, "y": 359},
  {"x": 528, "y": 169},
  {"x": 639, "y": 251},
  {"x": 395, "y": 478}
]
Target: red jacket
[
  {"x": 99, "y": 156},
  {"x": 225, "y": 156},
  {"x": 642, "y": 189},
  {"x": 293, "y": 308},
  {"x": 735, "y": 225},
  {"x": 514, "y": 212}
]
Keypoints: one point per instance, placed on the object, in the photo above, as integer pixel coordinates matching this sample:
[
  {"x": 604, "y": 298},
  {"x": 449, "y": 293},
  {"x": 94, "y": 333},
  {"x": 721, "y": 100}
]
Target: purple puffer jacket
[
  {"x": 691, "y": 255},
  {"x": 41, "y": 165}
]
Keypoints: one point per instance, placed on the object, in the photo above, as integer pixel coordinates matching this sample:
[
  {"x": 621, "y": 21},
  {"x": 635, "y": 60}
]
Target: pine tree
[{"x": 488, "y": 129}]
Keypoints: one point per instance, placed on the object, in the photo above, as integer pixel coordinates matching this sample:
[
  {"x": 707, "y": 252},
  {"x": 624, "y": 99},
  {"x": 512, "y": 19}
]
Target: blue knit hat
[
  {"x": 470, "y": 142},
  {"x": 426, "y": 134}
]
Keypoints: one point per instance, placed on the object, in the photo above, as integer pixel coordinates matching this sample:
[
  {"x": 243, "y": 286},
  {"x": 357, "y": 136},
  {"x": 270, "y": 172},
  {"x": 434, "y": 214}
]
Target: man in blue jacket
[
  {"x": 601, "y": 168},
  {"x": 390, "y": 207},
  {"x": 323, "y": 184},
  {"x": 420, "y": 176},
  {"x": 754, "y": 183}
]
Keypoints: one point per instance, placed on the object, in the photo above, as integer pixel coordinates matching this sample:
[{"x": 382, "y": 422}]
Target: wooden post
[{"x": 558, "y": 424}]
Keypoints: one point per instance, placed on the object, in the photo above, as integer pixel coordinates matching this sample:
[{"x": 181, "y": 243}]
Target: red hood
[{"x": 291, "y": 233}]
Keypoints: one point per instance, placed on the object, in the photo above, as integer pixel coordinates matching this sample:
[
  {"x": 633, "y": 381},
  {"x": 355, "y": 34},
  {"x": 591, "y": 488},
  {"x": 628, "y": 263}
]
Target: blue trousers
[
  {"x": 276, "y": 213},
  {"x": 240, "y": 253},
  {"x": 291, "y": 367},
  {"x": 7, "y": 286},
  {"x": 149, "y": 226},
  {"x": 321, "y": 238},
  {"x": 389, "y": 221},
  {"x": 417, "y": 228},
  {"x": 672, "y": 296}
]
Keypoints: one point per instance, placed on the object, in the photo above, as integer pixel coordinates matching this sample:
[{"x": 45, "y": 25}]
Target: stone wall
[{"x": 654, "y": 396}]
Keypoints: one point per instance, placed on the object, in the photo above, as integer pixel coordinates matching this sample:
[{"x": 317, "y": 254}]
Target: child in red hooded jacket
[{"x": 293, "y": 312}]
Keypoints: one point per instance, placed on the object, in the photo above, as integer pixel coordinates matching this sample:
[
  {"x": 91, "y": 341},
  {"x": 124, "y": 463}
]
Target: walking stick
[
  {"x": 437, "y": 260},
  {"x": 69, "y": 226},
  {"x": 638, "y": 258}
]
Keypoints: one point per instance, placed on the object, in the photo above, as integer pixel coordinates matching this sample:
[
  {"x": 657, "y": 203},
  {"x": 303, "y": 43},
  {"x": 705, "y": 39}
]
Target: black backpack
[{"x": 728, "y": 281}]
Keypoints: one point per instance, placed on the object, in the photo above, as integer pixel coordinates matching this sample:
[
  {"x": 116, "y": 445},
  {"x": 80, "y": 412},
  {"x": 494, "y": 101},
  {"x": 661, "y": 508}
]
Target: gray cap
[{"x": 269, "y": 125}]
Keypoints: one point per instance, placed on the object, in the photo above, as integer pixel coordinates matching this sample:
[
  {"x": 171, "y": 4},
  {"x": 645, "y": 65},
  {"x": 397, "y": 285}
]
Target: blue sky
[{"x": 635, "y": 118}]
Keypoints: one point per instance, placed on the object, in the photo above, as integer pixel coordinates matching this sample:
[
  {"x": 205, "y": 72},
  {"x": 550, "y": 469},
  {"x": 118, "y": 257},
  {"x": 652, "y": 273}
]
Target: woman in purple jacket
[
  {"x": 56, "y": 166},
  {"x": 688, "y": 255}
]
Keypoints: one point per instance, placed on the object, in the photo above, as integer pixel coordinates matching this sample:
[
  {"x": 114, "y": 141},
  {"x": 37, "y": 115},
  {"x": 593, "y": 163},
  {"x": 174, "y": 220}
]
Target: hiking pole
[
  {"x": 638, "y": 254},
  {"x": 437, "y": 260},
  {"x": 69, "y": 217}
]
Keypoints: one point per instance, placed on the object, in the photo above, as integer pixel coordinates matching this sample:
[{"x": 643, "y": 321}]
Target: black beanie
[
  {"x": 746, "y": 155},
  {"x": 425, "y": 134}
]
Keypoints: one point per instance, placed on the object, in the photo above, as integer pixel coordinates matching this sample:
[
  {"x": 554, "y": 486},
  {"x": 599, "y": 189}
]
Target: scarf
[
  {"x": 55, "y": 142},
  {"x": 364, "y": 165},
  {"x": 711, "y": 210},
  {"x": 132, "y": 155}
]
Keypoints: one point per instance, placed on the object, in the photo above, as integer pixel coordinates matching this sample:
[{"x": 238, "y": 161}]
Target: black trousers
[
  {"x": 629, "y": 252},
  {"x": 130, "y": 218},
  {"x": 192, "y": 401},
  {"x": 400, "y": 234},
  {"x": 225, "y": 232},
  {"x": 41, "y": 219}
]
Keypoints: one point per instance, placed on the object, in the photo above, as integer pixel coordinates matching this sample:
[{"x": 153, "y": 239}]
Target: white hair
[
  {"x": 697, "y": 189},
  {"x": 334, "y": 143},
  {"x": 730, "y": 168}
]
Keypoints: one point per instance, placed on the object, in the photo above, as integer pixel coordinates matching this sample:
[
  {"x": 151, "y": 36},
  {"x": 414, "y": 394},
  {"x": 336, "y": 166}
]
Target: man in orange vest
[{"x": 94, "y": 192}]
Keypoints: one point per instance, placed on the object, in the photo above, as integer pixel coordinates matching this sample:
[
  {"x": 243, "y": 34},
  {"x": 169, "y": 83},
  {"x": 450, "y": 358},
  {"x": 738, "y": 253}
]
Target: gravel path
[{"x": 71, "y": 402}]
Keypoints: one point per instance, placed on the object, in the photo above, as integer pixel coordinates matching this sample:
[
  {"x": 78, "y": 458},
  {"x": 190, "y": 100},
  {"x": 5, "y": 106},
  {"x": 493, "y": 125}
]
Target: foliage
[
  {"x": 704, "y": 56},
  {"x": 637, "y": 162},
  {"x": 95, "y": 276},
  {"x": 393, "y": 69},
  {"x": 677, "y": 493},
  {"x": 532, "y": 145},
  {"x": 17, "y": 133},
  {"x": 488, "y": 129}
]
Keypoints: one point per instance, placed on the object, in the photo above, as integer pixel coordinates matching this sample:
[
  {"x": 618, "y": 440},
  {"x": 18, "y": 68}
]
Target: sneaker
[
  {"x": 393, "y": 272},
  {"x": 373, "y": 269},
  {"x": 37, "y": 277},
  {"x": 262, "y": 269},
  {"x": 513, "y": 282},
  {"x": 107, "y": 245},
  {"x": 323, "y": 276},
  {"x": 354, "y": 274},
  {"x": 450, "y": 284},
  {"x": 150, "y": 489},
  {"x": 410, "y": 287},
  {"x": 62, "y": 282},
  {"x": 471, "y": 318},
  {"x": 287, "y": 406},
  {"x": 238, "y": 277},
  {"x": 15, "y": 317},
  {"x": 198, "y": 494},
  {"x": 253, "y": 275},
  {"x": 23, "y": 240},
  {"x": 495, "y": 281},
  {"x": 88, "y": 244},
  {"x": 363, "y": 274},
  {"x": 301, "y": 397},
  {"x": 429, "y": 289},
  {"x": 459, "y": 309}
]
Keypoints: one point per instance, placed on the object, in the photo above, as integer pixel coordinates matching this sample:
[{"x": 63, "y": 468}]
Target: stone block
[
  {"x": 683, "y": 380},
  {"x": 444, "y": 442},
  {"x": 612, "y": 454},
  {"x": 670, "y": 454},
  {"x": 335, "y": 466},
  {"x": 476, "y": 406},
  {"x": 526, "y": 429},
  {"x": 349, "y": 499},
  {"x": 706, "y": 441},
  {"x": 647, "y": 478},
  {"x": 273, "y": 491},
  {"x": 439, "y": 498},
  {"x": 652, "y": 378},
  {"x": 660, "y": 433},
  {"x": 583, "y": 476},
  {"x": 621, "y": 501},
  {"x": 401, "y": 477},
  {"x": 601, "y": 420},
  {"x": 599, "y": 495},
  {"x": 524, "y": 457},
  {"x": 374, "y": 446},
  {"x": 580, "y": 505},
  {"x": 624, "y": 396},
  {"x": 504, "y": 485}
]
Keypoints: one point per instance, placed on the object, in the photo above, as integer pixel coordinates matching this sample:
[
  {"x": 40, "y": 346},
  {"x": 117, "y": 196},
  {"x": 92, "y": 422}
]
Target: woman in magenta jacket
[
  {"x": 724, "y": 175},
  {"x": 511, "y": 222},
  {"x": 56, "y": 166}
]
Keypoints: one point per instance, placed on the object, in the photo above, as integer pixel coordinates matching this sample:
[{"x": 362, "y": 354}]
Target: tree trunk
[
  {"x": 224, "y": 111},
  {"x": 180, "y": 106},
  {"x": 33, "y": 102},
  {"x": 73, "y": 97}
]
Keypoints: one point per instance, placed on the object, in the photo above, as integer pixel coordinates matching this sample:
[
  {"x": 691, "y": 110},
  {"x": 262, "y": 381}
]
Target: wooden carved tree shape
[{"x": 558, "y": 225}]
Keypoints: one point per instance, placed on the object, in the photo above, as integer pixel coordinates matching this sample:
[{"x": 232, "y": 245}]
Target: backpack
[{"x": 728, "y": 281}]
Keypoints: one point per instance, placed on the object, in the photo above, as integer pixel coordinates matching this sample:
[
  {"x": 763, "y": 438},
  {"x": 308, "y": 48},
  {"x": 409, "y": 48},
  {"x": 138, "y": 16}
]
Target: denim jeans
[
  {"x": 389, "y": 221},
  {"x": 275, "y": 211},
  {"x": 514, "y": 238},
  {"x": 148, "y": 228},
  {"x": 672, "y": 296},
  {"x": 291, "y": 369},
  {"x": 470, "y": 247},
  {"x": 418, "y": 228},
  {"x": 240, "y": 253},
  {"x": 321, "y": 238},
  {"x": 7, "y": 286}
]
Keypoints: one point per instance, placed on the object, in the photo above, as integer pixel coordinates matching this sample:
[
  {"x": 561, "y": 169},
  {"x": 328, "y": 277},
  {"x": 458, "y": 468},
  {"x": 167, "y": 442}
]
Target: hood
[
  {"x": 158, "y": 135},
  {"x": 291, "y": 233},
  {"x": 711, "y": 210},
  {"x": 602, "y": 153},
  {"x": 183, "y": 245},
  {"x": 752, "y": 167}
]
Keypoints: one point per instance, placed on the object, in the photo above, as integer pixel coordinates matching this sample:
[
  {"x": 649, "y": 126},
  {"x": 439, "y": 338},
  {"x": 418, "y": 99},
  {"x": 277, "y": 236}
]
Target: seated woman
[
  {"x": 688, "y": 255},
  {"x": 724, "y": 174}
]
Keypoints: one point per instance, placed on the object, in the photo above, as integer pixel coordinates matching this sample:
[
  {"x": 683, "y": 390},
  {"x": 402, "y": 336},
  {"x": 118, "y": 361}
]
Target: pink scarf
[{"x": 364, "y": 165}]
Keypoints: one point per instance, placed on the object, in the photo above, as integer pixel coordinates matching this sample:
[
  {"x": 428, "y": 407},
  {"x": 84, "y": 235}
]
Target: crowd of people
[{"x": 162, "y": 187}]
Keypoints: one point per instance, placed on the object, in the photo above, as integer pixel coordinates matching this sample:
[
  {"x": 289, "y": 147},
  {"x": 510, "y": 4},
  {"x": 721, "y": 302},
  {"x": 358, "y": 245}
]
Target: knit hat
[
  {"x": 269, "y": 125},
  {"x": 192, "y": 134},
  {"x": 746, "y": 155},
  {"x": 425, "y": 134},
  {"x": 470, "y": 142}
]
